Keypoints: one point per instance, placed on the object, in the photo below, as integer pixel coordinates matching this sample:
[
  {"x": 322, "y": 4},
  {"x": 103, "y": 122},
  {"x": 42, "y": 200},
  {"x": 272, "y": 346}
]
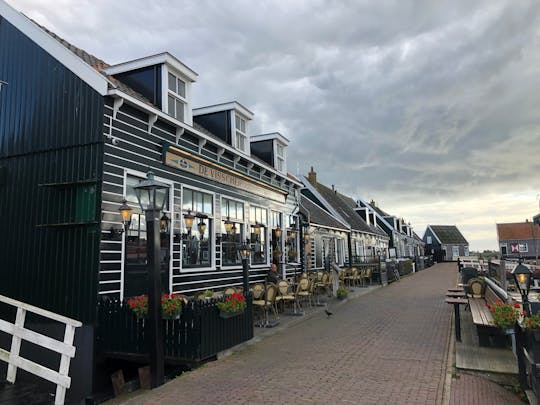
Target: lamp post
[
  {"x": 152, "y": 195},
  {"x": 244, "y": 254},
  {"x": 522, "y": 277}
]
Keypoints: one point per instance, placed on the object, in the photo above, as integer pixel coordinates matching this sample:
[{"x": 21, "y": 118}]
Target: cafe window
[
  {"x": 198, "y": 213},
  {"x": 276, "y": 238},
  {"x": 135, "y": 272},
  {"x": 258, "y": 218},
  {"x": 340, "y": 251},
  {"x": 291, "y": 242},
  {"x": 232, "y": 231}
]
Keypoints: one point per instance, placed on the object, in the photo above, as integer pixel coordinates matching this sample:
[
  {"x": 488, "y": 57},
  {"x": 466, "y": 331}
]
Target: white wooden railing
[{"x": 65, "y": 349}]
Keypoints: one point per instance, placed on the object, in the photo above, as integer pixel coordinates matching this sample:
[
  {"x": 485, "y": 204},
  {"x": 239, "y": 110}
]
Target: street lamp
[
  {"x": 188, "y": 220},
  {"x": 164, "y": 223},
  {"x": 125, "y": 212},
  {"x": 522, "y": 277},
  {"x": 151, "y": 195},
  {"x": 228, "y": 225},
  {"x": 244, "y": 251}
]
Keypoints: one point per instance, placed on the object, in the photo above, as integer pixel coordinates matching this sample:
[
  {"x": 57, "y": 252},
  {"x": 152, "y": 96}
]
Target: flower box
[
  {"x": 171, "y": 306},
  {"x": 227, "y": 315},
  {"x": 232, "y": 304}
]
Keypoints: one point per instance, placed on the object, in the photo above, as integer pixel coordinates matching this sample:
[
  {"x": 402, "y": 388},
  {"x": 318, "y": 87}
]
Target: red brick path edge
[{"x": 474, "y": 390}]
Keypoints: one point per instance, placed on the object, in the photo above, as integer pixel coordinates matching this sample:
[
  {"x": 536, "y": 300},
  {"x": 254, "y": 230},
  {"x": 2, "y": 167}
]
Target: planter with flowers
[
  {"x": 232, "y": 305},
  {"x": 505, "y": 315},
  {"x": 171, "y": 306}
]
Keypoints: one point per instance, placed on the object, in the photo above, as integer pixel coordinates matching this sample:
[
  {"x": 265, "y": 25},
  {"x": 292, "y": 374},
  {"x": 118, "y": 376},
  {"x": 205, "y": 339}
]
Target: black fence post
[{"x": 522, "y": 370}]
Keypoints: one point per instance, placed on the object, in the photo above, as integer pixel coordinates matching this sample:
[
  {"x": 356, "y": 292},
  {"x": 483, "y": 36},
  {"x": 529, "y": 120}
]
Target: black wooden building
[{"x": 77, "y": 134}]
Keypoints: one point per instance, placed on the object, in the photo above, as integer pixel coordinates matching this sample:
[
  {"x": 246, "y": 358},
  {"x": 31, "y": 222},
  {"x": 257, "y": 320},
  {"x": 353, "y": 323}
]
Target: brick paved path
[{"x": 387, "y": 347}]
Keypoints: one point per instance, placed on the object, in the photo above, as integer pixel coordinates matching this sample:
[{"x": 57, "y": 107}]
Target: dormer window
[
  {"x": 176, "y": 97},
  {"x": 280, "y": 157},
  {"x": 240, "y": 137}
]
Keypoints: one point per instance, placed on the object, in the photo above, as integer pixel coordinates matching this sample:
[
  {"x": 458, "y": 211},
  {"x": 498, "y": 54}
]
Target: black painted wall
[
  {"x": 146, "y": 81},
  {"x": 218, "y": 123},
  {"x": 264, "y": 150},
  {"x": 51, "y": 152}
]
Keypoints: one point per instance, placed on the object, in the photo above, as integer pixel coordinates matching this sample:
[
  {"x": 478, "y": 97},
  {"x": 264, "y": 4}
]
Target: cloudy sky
[{"x": 430, "y": 108}]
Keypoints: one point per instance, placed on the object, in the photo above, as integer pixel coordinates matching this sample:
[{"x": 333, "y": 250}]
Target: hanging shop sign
[{"x": 191, "y": 163}]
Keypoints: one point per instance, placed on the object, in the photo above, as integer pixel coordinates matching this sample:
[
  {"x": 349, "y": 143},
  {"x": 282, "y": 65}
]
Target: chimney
[{"x": 312, "y": 176}]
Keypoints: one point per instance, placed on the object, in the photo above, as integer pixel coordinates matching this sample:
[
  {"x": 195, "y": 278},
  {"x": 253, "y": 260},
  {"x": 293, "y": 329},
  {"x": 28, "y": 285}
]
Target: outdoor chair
[
  {"x": 284, "y": 293},
  {"x": 304, "y": 290},
  {"x": 367, "y": 276},
  {"x": 321, "y": 285},
  {"x": 267, "y": 302},
  {"x": 229, "y": 291}
]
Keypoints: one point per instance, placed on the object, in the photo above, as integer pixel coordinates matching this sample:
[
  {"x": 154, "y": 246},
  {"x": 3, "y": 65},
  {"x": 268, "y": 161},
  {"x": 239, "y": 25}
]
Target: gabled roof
[
  {"x": 448, "y": 234},
  {"x": 345, "y": 208},
  {"x": 518, "y": 230},
  {"x": 318, "y": 216},
  {"x": 53, "y": 47}
]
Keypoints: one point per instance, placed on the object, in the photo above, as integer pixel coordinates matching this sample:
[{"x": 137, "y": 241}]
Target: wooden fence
[
  {"x": 199, "y": 334},
  {"x": 19, "y": 333}
]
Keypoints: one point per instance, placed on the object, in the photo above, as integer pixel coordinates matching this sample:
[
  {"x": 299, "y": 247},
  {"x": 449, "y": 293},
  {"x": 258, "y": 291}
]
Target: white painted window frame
[
  {"x": 142, "y": 175},
  {"x": 211, "y": 234},
  {"x": 243, "y": 227}
]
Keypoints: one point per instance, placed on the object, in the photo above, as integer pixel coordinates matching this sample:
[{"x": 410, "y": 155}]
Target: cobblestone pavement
[{"x": 386, "y": 347}]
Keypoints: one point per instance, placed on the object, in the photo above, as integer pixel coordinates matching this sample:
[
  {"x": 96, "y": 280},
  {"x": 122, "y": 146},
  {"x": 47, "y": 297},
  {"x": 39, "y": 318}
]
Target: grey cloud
[{"x": 404, "y": 101}]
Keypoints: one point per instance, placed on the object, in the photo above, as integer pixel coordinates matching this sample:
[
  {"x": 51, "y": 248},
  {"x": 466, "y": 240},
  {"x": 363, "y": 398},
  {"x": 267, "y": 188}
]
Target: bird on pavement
[{"x": 328, "y": 313}]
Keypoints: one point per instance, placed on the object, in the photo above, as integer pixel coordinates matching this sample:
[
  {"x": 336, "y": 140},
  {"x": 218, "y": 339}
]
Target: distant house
[
  {"x": 519, "y": 239},
  {"x": 366, "y": 240},
  {"x": 403, "y": 240},
  {"x": 445, "y": 242},
  {"x": 327, "y": 237}
]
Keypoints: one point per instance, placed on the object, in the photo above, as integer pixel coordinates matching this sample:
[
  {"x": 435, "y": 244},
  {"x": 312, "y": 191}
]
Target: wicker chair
[
  {"x": 229, "y": 291},
  {"x": 304, "y": 290},
  {"x": 267, "y": 302},
  {"x": 284, "y": 293}
]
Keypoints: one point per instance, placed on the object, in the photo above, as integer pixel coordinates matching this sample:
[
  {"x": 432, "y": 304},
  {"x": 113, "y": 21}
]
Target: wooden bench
[{"x": 488, "y": 333}]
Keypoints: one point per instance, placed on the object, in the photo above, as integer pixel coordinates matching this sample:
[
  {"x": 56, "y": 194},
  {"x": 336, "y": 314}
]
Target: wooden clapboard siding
[{"x": 140, "y": 149}]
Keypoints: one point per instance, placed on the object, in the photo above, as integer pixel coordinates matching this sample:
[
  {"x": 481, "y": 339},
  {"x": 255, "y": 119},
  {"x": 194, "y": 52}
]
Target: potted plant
[
  {"x": 171, "y": 306},
  {"x": 505, "y": 315},
  {"x": 232, "y": 305},
  {"x": 208, "y": 295},
  {"x": 342, "y": 293}
]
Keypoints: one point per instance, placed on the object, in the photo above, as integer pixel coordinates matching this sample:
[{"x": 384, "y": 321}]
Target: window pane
[
  {"x": 240, "y": 211},
  {"x": 171, "y": 106},
  {"x": 224, "y": 208},
  {"x": 179, "y": 110},
  {"x": 172, "y": 82},
  {"x": 198, "y": 201},
  {"x": 258, "y": 247},
  {"x": 229, "y": 246},
  {"x": 196, "y": 246},
  {"x": 207, "y": 204},
  {"x": 187, "y": 200},
  {"x": 237, "y": 122},
  {"x": 181, "y": 88}
]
